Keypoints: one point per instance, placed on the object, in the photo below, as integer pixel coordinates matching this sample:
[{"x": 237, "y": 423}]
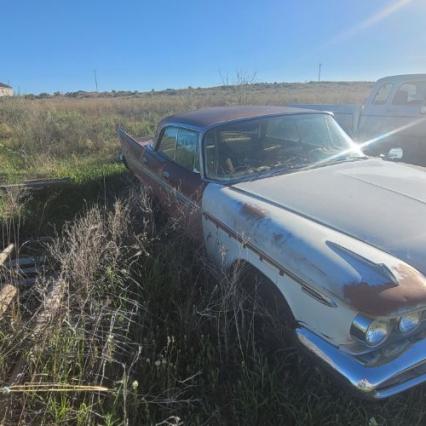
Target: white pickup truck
[{"x": 392, "y": 121}]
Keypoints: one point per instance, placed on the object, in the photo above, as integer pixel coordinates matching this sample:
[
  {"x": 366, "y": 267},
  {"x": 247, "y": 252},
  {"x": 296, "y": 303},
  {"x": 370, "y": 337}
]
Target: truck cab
[
  {"x": 394, "y": 117},
  {"x": 391, "y": 122}
]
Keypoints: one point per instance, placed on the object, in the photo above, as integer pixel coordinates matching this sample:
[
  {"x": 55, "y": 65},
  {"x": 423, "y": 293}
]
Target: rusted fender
[
  {"x": 363, "y": 277},
  {"x": 406, "y": 292}
]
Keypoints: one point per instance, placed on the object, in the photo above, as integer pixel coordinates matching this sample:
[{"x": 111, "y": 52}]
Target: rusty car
[{"x": 339, "y": 236}]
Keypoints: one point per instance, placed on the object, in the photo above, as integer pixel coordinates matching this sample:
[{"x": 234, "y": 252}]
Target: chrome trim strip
[
  {"x": 369, "y": 380},
  {"x": 246, "y": 243},
  {"x": 318, "y": 296},
  {"x": 396, "y": 389},
  {"x": 129, "y": 138}
]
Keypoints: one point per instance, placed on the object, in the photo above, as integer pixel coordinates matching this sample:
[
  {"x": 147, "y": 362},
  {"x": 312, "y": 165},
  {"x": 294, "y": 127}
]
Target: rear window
[{"x": 411, "y": 94}]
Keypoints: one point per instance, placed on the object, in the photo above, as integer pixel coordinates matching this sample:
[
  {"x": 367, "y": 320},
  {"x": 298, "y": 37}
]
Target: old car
[
  {"x": 393, "y": 114},
  {"x": 339, "y": 236}
]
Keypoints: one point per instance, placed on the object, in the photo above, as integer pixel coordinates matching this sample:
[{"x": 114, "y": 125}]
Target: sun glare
[{"x": 370, "y": 21}]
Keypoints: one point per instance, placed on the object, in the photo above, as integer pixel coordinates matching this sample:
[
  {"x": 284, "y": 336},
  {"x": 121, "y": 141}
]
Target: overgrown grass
[
  {"x": 56, "y": 136},
  {"x": 31, "y": 214},
  {"x": 172, "y": 343}
]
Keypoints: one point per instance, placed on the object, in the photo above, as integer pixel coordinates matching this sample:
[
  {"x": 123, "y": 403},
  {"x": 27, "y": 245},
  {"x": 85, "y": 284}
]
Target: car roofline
[{"x": 173, "y": 120}]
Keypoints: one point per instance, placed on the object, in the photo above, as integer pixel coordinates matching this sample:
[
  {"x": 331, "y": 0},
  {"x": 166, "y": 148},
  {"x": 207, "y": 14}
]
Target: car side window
[
  {"x": 410, "y": 94},
  {"x": 167, "y": 144},
  {"x": 383, "y": 94},
  {"x": 181, "y": 146},
  {"x": 187, "y": 150}
]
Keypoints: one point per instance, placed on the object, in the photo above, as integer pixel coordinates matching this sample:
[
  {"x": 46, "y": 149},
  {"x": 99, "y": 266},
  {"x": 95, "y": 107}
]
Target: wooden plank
[
  {"x": 4, "y": 255},
  {"x": 7, "y": 296},
  {"x": 35, "y": 184}
]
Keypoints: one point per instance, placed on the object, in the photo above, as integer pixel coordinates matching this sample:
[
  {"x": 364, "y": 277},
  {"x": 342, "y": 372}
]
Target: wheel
[{"x": 275, "y": 320}]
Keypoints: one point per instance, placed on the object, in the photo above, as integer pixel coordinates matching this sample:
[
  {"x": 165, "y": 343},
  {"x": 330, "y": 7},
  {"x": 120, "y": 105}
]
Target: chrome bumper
[{"x": 377, "y": 382}]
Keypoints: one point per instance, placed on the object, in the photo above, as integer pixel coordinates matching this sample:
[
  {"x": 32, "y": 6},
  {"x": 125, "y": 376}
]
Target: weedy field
[{"x": 143, "y": 331}]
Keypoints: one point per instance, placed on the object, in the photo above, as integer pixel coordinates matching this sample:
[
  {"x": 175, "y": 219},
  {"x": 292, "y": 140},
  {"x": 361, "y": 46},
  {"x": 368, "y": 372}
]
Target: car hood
[{"x": 380, "y": 203}]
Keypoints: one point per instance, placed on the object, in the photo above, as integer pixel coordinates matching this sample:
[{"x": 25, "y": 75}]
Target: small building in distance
[{"x": 5, "y": 90}]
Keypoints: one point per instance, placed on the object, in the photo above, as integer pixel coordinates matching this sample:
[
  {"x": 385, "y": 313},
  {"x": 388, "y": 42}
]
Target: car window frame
[
  {"x": 158, "y": 142},
  {"x": 390, "y": 95},
  {"x": 196, "y": 153},
  {"x": 180, "y": 127}
]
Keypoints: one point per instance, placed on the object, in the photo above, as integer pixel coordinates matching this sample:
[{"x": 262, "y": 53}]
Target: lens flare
[
  {"x": 392, "y": 132},
  {"x": 356, "y": 148},
  {"x": 370, "y": 21}
]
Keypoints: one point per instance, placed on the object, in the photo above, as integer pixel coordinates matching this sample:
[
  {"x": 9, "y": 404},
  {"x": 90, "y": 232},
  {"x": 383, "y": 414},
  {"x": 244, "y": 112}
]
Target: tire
[{"x": 263, "y": 295}]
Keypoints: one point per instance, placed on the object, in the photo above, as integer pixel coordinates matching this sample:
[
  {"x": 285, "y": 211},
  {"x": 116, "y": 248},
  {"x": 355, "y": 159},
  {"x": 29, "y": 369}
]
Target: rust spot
[
  {"x": 384, "y": 299},
  {"x": 252, "y": 211},
  {"x": 281, "y": 238}
]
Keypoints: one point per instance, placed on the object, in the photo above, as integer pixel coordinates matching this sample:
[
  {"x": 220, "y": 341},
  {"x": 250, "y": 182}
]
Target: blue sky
[{"x": 55, "y": 45}]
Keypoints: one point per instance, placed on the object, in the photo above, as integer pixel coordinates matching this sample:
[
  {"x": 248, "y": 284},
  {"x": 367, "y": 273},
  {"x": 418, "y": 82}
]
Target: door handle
[{"x": 166, "y": 174}]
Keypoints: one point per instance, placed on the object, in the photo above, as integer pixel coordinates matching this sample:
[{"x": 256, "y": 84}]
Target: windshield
[{"x": 267, "y": 145}]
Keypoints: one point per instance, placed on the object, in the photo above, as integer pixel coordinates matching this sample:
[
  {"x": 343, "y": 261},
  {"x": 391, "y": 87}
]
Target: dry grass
[
  {"x": 147, "y": 334},
  {"x": 58, "y": 135}
]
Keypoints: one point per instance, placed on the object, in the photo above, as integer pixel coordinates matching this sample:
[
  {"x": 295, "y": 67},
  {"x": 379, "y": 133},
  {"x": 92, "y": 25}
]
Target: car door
[
  {"x": 175, "y": 163},
  {"x": 153, "y": 164},
  {"x": 409, "y": 123},
  {"x": 375, "y": 120}
]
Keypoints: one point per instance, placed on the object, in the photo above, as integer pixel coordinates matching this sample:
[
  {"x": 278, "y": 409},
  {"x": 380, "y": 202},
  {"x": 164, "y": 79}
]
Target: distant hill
[{"x": 271, "y": 93}]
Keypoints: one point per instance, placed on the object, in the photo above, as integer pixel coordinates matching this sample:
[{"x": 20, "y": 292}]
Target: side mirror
[{"x": 395, "y": 154}]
